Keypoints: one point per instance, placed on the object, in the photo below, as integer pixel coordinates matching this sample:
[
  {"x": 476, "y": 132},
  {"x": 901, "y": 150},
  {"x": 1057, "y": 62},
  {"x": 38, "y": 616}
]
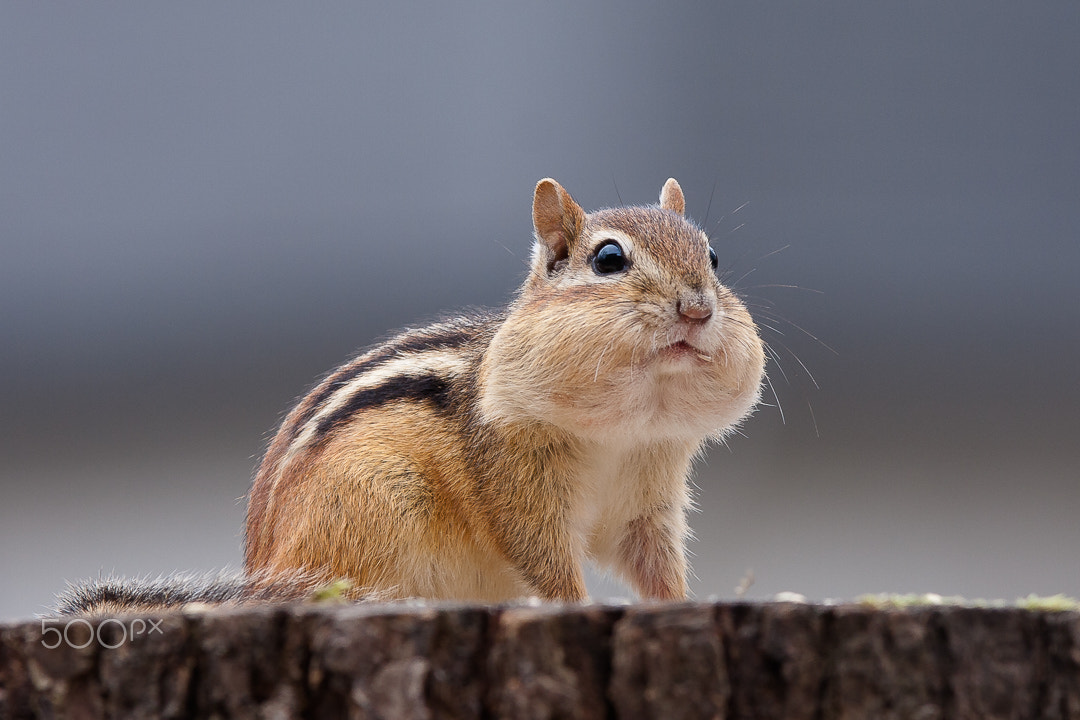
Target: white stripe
[{"x": 438, "y": 362}]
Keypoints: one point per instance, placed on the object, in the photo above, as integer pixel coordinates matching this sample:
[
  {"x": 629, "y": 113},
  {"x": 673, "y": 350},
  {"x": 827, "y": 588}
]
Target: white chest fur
[{"x": 618, "y": 483}]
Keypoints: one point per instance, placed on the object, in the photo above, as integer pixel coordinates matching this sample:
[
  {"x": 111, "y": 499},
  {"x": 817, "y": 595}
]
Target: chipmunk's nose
[{"x": 695, "y": 307}]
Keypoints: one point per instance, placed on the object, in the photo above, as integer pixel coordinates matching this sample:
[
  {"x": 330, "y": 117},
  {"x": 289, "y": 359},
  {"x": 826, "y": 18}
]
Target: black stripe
[
  {"x": 430, "y": 388},
  {"x": 448, "y": 337},
  {"x": 418, "y": 341},
  {"x": 334, "y": 383}
]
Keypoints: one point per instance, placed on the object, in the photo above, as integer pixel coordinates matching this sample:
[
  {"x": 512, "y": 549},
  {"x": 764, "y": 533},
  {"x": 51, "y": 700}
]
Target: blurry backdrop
[{"x": 204, "y": 207}]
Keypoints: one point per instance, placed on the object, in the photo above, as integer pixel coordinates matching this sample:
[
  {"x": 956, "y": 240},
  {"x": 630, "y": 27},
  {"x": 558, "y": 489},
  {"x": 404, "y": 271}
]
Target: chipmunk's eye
[
  {"x": 609, "y": 258},
  {"x": 713, "y": 260}
]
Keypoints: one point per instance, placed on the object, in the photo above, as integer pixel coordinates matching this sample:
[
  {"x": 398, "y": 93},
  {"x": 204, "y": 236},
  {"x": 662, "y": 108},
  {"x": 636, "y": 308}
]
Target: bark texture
[{"x": 776, "y": 660}]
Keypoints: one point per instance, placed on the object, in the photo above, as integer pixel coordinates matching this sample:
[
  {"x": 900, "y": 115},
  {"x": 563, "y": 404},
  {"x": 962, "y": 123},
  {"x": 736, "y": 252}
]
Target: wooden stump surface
[{"x": 739, "y": 660}]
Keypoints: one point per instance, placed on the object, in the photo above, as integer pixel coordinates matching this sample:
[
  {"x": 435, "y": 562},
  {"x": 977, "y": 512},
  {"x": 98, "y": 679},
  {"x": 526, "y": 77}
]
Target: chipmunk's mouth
[{"x": 683, "y": 350}]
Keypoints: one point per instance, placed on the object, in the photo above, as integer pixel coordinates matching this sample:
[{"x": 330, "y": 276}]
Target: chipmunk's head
[{"x": 623, "y": 327}]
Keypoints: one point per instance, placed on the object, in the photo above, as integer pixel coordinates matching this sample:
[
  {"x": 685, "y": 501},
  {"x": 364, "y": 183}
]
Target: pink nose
[{"x": 697, "y": 310}]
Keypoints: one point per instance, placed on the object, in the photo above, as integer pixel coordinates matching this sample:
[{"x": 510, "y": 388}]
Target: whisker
[
  {"x": 743, "y": 277},
  {"x": 796, "y": 358},
  {"x": 616, "y": 187},
  {"x": 725, "y": 273},
  {"x": 731, "y": 266},
  {"x": 776, "y": 359},
  {"x": 774, "y": 252},
  {"x": 780, "y": 285},
  {"x": 770, "y": 327},
  {"x": 709, "y": 206},
  {"x": 815, "y": 338},
  {"x": 760, "y": 302},
  {"x": 507, "y": 249},
  {"x": 769, "y": 382},
  {"x": 802, "y": 365},
  {"x": 769, "y": 311},
  {"x": 740, "y": 207}
]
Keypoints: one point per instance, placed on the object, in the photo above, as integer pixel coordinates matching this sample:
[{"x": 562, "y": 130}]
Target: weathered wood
[
  {"x": 776, "y": 660},
  {"x": 669, "y": 663},
  {"x": 550, "y": 662}
]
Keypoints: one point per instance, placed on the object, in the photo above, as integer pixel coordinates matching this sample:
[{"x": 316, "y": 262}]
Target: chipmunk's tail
[{"x": 111, "y": 594}]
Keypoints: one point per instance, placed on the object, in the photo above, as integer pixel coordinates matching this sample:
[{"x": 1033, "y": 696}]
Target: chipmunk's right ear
[
  {"x": 558, "y": 221},
  {"x": 671, "y": 197}
]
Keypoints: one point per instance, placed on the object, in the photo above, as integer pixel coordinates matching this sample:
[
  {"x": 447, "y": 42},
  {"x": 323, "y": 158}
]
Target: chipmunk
[{"x": 489, "y": 456}]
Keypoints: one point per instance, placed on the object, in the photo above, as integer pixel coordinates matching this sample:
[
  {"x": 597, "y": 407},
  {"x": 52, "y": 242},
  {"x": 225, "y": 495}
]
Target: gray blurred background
[{"x": 204, "y": 207}]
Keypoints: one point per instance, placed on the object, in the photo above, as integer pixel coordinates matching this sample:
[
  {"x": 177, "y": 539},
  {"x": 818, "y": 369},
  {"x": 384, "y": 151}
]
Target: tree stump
[{"x": 737, "y": 660}]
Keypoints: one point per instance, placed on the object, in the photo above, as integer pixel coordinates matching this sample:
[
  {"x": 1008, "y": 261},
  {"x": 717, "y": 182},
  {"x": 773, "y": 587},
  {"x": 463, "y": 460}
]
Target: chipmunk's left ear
[
  {"x": 558, "y": 221},
  {"x": 671, "y": 197}
]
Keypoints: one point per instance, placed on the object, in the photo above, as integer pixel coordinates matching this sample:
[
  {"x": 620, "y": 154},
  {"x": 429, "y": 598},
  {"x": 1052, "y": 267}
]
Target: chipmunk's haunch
[{"x": 489, "y": 456}]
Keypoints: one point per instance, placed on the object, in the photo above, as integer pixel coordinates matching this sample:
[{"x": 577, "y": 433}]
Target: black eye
[
  {"x": 713, "y": 260},
  {"x": 609, "y": 258}
]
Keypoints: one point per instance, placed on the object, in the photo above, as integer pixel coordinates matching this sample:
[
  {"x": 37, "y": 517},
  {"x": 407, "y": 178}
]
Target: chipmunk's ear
[
  {"x": 558, "y": 221},
  {"x": 671, "y": 197}
]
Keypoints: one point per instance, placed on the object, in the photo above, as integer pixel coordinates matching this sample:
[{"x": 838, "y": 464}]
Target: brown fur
[{"x": 490, "y": 458}]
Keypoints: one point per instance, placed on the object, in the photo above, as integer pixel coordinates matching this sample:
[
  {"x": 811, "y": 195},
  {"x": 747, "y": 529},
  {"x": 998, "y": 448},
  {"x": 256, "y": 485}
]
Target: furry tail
[{"x": 108, "y": 595}]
